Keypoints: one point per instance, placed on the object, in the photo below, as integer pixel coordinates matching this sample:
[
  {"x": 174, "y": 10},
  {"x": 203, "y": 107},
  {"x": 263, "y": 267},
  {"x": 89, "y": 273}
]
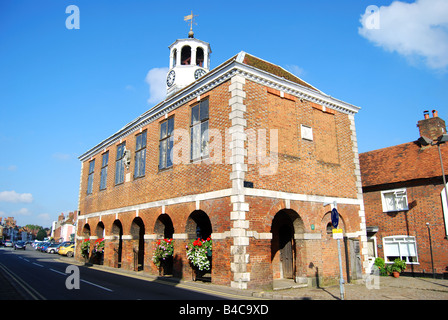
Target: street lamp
[{"x": 430, "y": 248}]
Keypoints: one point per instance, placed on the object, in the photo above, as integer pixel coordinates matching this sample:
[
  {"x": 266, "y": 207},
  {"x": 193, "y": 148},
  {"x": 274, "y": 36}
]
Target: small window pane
[
  {"x": 195, "y": 114},
  {"x": 204, "y": 139},
  {"x": 163, "y": 130},
  {"x": 204, "y": 110}
]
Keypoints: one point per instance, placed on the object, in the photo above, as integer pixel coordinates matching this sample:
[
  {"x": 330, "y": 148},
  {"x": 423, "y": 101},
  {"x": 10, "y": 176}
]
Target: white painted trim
[{"x": 222, "y": 194}]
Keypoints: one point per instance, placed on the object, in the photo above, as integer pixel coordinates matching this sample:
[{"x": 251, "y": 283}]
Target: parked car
[
  {"x": 8, "y": 243},
  {"x": 52, "y": 248},
  {"x": 67, "y": 251},
  {"x": 42, "y": 246},
  {"x": 20, "y": 245}
]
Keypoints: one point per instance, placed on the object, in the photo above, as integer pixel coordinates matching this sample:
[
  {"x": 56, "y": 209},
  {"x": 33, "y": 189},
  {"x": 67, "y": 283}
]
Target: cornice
[{"x": 211, "y": 80}]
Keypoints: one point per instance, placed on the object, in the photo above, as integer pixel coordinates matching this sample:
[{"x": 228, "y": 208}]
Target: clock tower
[{"x": 189, "y": 60}]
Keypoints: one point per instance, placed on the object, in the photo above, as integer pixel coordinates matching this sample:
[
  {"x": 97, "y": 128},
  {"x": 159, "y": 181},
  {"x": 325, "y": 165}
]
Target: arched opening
[
  {"x": 117, "y": 232},
  {"x": 164, "y": 228},
  {"x": 284, "y": 255},
  {"x": 138, "y": 237},
  {"x": 174, "y": 61},
  {"x": 100, "y": 230},
  {"x": 200, "y": 57},
  {"x": 98, "y": 245},
  {"x": 185, "y": 55},
  {"x": 198, "y": 225},
  {"x": 86, "y": 231}
]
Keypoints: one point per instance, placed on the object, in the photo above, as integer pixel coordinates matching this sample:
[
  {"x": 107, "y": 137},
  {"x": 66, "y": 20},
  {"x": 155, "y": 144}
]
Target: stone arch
[
  {"x": 138, "y": 237},
  {"x": 287, "y": 229}
]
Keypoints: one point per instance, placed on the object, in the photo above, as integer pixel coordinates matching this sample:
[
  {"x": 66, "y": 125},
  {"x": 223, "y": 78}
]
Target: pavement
[{"x": 379, "y": 288}]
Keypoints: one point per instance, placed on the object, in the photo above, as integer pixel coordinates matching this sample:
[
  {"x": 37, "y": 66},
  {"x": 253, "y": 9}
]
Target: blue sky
[{"x": 62, "y": 90}]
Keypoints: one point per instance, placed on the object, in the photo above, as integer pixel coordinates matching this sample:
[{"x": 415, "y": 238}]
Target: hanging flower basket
[
  {"x": 85, "y": 248},
  {"x": 163, "y": 252},
  {"x": 98, "y": 246},
  {"x": 199, "y": 252}
]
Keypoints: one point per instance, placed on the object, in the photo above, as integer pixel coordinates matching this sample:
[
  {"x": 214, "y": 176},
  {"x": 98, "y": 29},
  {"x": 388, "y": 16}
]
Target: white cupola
[{"x": 189, "y": 60}]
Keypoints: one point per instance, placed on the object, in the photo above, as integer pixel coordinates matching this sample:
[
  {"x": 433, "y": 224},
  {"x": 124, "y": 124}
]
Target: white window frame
[
  {"x": 397, "y": 193},
  {"x": 402, "y": 241},
  {"x": 306, "y": 132}
]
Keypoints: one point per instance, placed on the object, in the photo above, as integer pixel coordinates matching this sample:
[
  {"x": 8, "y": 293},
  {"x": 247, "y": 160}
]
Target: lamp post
[{"x": 430, "y": 248}]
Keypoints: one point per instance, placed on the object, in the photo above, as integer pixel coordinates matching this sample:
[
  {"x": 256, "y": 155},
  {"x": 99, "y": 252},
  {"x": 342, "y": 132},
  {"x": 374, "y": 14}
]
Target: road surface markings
[
  {"x": 39, "y": 265},
  {"x": 97, "y": 285},
  {"x": 19, "y": 281}
]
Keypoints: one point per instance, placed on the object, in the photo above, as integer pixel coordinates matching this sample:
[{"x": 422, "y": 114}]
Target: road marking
[
  {"x": 64, "y": 274},
  {"x": 85, "y": 281},
  {"x": 97, "y": 285},
  {"x": 39, "y": 265},
  {"x": 25, "y": 286}
]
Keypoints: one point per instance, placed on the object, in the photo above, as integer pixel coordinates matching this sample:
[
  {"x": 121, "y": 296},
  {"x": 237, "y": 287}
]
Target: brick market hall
[{"x": 246, "y": 157}]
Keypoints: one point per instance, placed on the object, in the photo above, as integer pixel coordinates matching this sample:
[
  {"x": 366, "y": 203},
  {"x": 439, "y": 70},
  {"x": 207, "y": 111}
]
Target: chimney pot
[
  {"x": 435, "y": 113},
  {"x": 426, "y": 114}
]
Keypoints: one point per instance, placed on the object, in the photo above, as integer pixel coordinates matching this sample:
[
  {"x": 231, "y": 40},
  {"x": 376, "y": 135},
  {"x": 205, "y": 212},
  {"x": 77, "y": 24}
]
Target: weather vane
[{"x": 190, "y": 18}]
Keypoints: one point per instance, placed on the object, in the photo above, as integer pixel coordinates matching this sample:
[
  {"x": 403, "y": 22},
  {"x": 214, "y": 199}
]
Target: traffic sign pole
[{"x": 337, "y": 235}]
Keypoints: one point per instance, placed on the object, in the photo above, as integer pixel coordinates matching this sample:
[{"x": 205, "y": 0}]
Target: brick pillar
[{"x": 238, "y": 232}]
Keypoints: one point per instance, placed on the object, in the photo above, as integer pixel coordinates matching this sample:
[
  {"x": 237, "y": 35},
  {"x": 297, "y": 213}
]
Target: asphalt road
[{"x": 42, "y": 276}]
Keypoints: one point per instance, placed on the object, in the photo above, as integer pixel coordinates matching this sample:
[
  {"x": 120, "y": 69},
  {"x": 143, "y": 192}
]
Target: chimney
[{"x": 431, "y": 128}]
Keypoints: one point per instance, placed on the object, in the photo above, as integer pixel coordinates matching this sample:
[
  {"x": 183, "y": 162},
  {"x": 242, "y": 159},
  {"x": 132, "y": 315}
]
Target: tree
[{"x": 41, "y": 234}]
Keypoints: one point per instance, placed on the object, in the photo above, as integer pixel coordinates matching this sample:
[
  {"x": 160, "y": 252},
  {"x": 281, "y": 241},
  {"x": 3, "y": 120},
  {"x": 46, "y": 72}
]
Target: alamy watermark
[
  {"x": 371, "y": 18},
  {"x": 72, "y": 281},
  {"x": 73, "y": 20}
]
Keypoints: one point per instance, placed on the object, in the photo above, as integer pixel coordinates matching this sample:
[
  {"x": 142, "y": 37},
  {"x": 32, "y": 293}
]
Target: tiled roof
[
  {"x": 402, "y": 162},
  {"x": 274, "y": 69}
]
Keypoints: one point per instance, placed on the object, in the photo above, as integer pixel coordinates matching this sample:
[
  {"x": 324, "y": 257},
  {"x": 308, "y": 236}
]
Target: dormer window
[{"x": 185, "y": 56}]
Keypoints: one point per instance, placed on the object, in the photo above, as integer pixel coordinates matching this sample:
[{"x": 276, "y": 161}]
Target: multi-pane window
[
  {"x": 401, "y": 247},
  {"x": 199, "y": 131},
  {"x": 140, "y": 155},
  {"x": 166, "y": 143},
  {"x": 104, "y": 164},
  {"x": 90, "y": 177},
  {"x": 394, "y": 200},
  {"x": 119, "y": 163}
]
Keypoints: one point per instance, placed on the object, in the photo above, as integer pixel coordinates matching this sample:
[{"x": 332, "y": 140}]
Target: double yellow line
[{"x": 22, "y": 284}]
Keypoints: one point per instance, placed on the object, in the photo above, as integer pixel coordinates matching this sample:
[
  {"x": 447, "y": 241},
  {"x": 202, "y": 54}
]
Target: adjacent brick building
[
  {"x": 403, "y": 197},
  {"x": 247, "y": 154}
]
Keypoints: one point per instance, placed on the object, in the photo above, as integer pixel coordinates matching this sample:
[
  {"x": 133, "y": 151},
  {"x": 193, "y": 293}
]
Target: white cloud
[
  {"x": 156, "y": 79},
  {"x": 45, "y": 217},
  {"x": 418, "y": 31},
  {"x": 12, "y": 196},
  {"x": 21, "y": 212},
  {"x": 295, "y": 69}
]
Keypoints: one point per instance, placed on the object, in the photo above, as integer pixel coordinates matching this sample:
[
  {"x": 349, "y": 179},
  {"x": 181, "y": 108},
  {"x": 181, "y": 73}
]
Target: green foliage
[
  {"x": 379, "y": 262},
  {"x": 398, "y": 266}
]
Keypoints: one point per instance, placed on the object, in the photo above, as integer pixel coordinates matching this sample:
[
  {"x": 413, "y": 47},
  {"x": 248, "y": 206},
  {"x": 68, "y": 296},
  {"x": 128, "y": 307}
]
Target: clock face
[
  {"x": 170, "y": 78},
  {"x": 199, "y": 73}
]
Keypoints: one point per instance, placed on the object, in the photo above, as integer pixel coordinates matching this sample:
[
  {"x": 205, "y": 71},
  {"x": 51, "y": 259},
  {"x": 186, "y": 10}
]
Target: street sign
[
  {"x": 334, "y": 217},
  {"x": 338, "y": 234}
]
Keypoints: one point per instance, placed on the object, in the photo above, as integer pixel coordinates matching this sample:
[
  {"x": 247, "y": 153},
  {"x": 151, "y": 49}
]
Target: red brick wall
[
  {"x": 323, "y": 167},
  {"x": 424, "y": 206}
]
